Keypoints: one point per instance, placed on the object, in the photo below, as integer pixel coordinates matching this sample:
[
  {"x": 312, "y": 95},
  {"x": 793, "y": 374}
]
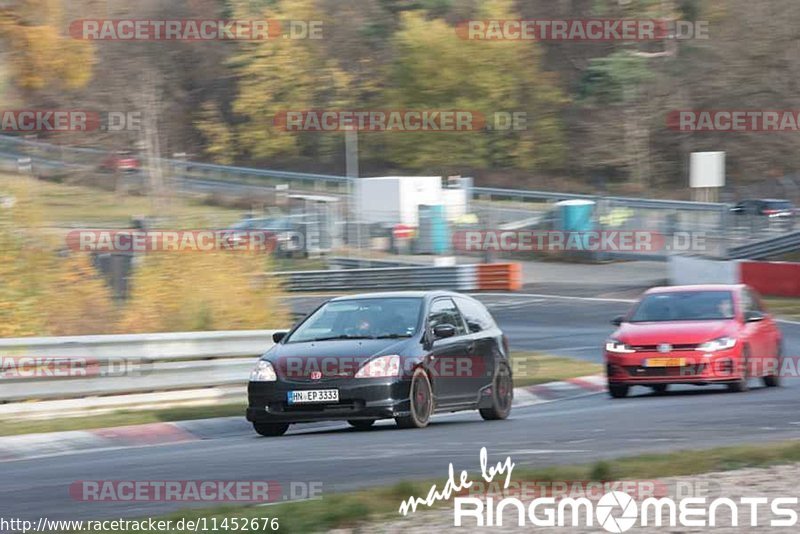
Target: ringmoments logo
[{"x": 615, "y": 511}]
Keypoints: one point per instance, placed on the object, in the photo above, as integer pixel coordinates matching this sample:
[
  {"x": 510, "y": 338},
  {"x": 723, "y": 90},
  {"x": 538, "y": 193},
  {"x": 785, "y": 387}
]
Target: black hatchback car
[
  {"x": 772, "y": 210},
  {"x": 401, "y": 356}
]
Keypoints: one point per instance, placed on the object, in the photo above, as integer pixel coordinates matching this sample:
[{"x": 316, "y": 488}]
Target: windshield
[
  {"x": 684, "y": 306},
  {"x": 370, "y": 318}
]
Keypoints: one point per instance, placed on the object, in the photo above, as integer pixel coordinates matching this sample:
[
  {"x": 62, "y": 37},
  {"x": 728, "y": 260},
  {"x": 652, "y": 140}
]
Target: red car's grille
[
  {"x": 654, "y": 348},
  {"x": 688, "y": 370}
]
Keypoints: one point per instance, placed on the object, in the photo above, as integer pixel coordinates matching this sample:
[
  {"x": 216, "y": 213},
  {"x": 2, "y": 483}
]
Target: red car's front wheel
[{"x": 742, "y": 385}]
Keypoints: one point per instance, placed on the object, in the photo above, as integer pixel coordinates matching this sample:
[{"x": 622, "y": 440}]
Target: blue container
[
  {"x": 434, "y": 232},
  {"x": 577, "y": 216}
]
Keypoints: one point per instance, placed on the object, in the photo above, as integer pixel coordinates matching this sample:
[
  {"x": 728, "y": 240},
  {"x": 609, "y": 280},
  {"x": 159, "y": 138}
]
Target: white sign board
[{"x": 707, "y": 169}]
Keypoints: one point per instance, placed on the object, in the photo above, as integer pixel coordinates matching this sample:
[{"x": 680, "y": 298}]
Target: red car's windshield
[{"x": 684, "y": 306}]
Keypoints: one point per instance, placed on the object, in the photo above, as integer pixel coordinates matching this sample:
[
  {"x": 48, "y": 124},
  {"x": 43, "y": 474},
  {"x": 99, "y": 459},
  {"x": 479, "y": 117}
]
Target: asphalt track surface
[{"x": 562, "y": 432}]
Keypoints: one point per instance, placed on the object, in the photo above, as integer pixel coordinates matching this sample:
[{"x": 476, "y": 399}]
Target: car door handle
[{"x": 470, "y": 347}]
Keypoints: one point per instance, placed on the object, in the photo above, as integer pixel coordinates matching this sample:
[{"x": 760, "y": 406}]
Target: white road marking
[{"x": 542, "y": 296}]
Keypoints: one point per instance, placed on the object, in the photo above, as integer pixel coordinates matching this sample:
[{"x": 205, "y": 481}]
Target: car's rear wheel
[
  {"x": 660, "y": 389},
  {"x": 361, "y": 424},
  {"x": 774, "y": 380},
  {"x": 421, "y": 402},
  {"x": 742, "y": 385},
  {"x": 502, "y": 395},
  {"x": 618, "y": 391},
  {"x": 271, "y": 429}
]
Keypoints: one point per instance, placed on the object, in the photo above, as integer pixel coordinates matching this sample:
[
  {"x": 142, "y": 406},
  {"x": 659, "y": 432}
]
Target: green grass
[
  {"x": 346, "y": 510},
  {"x": 120, "y": 418},
  {"x": 783, "y": 307},
  {"x": 531, "y": 368},
  {"x": 68, "y": 205}
]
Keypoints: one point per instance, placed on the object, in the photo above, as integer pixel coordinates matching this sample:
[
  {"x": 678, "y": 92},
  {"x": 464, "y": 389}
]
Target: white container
[{"x": 395, "y": 199}]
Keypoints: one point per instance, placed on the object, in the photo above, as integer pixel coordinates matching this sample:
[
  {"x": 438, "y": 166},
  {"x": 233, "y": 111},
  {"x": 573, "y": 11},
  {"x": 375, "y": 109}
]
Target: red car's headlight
[
  {"x": 721, "y": 343},
  {"x": 613, "y": 345}
]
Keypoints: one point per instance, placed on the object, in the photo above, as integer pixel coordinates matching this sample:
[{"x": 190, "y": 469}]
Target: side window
[
  {"x": 746, "y": 303},
  {"x": 755, "y": 301},
  {"x": 444, "y": 311},
  {"x": 477, "y": 317}
]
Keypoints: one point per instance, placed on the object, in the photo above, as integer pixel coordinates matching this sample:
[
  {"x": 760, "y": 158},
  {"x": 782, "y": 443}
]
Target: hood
[
  {"x": 341, "y": 357},
  {"x": 676, "y": 333}
]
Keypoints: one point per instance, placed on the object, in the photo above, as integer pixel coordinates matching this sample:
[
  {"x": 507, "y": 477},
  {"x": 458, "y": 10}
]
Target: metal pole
[{"x": 351, "y": 169}]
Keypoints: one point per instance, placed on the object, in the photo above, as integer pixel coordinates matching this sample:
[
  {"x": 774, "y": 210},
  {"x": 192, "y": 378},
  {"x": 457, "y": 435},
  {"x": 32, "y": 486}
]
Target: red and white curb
[
  {"x": 562, "y": 390},
  {"x": 29, "y": 446}
]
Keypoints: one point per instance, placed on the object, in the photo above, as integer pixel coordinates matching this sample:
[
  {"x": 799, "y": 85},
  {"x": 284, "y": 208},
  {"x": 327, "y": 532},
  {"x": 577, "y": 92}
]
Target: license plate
[
  {"x": 665, "y": 362},
  {"x": 313, "y": 395}
]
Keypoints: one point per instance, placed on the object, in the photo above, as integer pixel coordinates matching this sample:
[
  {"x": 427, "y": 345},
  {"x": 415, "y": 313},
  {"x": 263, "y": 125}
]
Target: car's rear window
[{"x": 684, "y": 306}]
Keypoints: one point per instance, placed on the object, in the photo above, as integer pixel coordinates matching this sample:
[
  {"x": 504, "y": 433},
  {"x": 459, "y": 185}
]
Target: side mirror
[
  {"x": 444, "y": 330},
  {"x": 616, "y": 321},
  {"x": 277, "y": 336},
  {"x": 753, "y": 316}
]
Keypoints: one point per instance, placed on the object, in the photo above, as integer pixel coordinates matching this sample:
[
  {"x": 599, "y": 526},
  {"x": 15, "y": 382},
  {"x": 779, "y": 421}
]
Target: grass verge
[
  {"x": 120, "y": 418},
  {"x": 348, "y": 510},
  {"x": 785, "y": 307},
  {"x": 66, "y": 206},
  {"x": 531, "y": 368}
]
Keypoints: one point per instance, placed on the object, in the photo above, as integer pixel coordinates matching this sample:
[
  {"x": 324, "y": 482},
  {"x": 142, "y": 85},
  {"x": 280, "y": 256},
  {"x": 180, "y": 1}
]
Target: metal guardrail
[
  {"x": 492, "y": 193},
  {"x": 207, "y": 170},
  {"x": 458, "y": 277},
  {"x": 766, "y": 248},
  {"x": 127, "y": 364},
  {"x": 339, "y": 262}
]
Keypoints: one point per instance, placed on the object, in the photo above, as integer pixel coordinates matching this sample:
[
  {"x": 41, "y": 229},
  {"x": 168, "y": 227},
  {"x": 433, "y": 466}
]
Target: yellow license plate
[{"x": 665, "y": 362}]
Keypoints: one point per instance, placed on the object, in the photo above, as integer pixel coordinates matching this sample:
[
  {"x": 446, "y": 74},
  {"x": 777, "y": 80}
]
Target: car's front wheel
[
  {"x": 271, "y": 429},
  {"x": 502, "y": 395},
  {"x": 421, "y": 402},
  {"x": 618, "y": 391},
  {"x": 743, "y": 384},
  {"x": 774, "y": 380}
]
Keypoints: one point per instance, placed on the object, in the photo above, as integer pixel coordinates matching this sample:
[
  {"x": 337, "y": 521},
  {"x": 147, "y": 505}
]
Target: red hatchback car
[{"x": 705, "y": 334}]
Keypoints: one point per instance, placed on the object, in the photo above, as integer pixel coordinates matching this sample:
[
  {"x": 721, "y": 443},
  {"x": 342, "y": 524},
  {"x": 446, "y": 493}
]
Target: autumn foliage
[{"x": 46, "y": 290}]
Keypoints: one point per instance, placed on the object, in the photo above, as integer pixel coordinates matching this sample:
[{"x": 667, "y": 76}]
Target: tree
[
  {"x": 435, "y": 69},
  {"x": 39, "y": 56},
  {"x": 274, "y": 76}
]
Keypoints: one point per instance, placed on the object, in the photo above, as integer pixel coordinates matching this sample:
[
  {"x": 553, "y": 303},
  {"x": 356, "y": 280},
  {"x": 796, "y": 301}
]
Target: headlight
[
  {"x": 722, "y": 343},
  {"x": 612, "y": 345},
  {"x": 264, "y": 372},
  {"x": 382, "y": 367}
]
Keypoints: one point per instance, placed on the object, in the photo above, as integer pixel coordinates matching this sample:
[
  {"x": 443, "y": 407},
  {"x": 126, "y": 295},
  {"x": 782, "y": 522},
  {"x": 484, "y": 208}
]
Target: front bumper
[
  {"x": 698, "y": 368},
  {"x": 363, "y": 398}
]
